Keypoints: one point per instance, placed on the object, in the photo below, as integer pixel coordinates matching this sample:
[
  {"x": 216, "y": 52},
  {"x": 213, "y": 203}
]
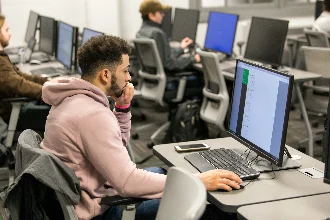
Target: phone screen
[{"x": 192, "y": 146}]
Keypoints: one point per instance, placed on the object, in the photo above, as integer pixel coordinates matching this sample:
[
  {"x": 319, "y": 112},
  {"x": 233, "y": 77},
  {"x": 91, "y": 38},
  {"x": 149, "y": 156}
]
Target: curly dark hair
[
  {"x": 101, "y": 52},
  {"x": 326, "y": 5}
]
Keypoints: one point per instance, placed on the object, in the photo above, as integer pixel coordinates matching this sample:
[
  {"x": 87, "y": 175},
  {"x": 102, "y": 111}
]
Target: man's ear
[
  {"x": 105, "y": 76},
  {"x": 151, "y": 15}
]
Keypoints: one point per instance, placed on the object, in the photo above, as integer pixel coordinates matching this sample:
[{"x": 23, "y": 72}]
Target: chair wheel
[
  {"x": 302, "y": 149},
  {"x": 150, "y": 145},
  {"x": 318, "y": 142},
  {"x": 135, "y": 136}
]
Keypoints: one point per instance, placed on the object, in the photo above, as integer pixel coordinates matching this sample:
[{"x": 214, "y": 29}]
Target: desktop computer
[
  {"x": 32, "y": 26},
  {"x": 184, "y": 24},
  {"x": 318, "y": 8},
  {"x": 266, "y": 41},
  {"x": 221, "y": 32},
  {"x": 166, "y": 25},
  {"x": 258, "y": 119},
  {"x": 47, "y": 41}
]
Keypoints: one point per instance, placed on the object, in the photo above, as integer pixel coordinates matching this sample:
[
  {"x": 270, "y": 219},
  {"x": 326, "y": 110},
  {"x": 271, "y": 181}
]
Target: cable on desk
[
  {"x": 251, "y": 161},
  {"x": 244, "y": 152}
]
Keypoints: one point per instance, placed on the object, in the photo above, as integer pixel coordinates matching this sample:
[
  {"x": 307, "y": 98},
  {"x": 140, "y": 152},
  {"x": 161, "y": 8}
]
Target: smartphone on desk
[{"x": 191, "y": 147}]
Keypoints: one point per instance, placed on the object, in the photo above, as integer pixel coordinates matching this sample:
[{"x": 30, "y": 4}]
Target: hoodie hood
[{"x": 56, "y": 90}]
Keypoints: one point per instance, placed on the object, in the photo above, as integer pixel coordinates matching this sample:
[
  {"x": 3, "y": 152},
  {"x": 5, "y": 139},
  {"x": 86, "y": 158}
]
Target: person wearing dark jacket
[
  {"x": 13, "y": 82},
  {"x": 152, "y": 12}
]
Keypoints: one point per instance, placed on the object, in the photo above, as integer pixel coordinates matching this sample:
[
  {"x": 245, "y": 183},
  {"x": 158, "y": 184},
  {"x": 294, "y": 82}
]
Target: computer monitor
[
  {"x": 47, "y": 35},
  {"x": 88, "y": 33},
  {"x": 318, "y": 9},
  {"x": 185, "y": 24},
  {"x": 221, "y": 32},
  {"x": 32, "y": 26},
  {"x": 266, "y": 40},
  {"x": 65, "y": 41},
  {"x": 166, "y": 25},
  {"x": 260, "y": 109}
]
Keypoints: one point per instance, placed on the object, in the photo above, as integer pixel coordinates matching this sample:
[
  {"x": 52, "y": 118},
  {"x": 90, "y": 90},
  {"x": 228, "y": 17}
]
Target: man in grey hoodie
[{"x": 89, "y": 138}]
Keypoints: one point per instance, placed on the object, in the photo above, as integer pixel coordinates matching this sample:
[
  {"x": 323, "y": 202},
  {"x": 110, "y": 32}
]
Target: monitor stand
[{"x": 262, "y": 165}]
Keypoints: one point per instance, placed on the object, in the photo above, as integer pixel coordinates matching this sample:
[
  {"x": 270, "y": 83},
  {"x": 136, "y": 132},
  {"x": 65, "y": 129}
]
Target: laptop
[{"x": 258, "y": 119}]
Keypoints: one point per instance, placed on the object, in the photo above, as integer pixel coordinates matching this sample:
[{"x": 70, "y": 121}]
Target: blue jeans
[{"x": 147, "y": 210}]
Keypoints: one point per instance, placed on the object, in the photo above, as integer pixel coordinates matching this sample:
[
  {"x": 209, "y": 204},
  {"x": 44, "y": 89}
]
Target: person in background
[
  {"x": 88, "y": 137},
  {"x": 152, "y": 12},
  {"x": 322, "y": 23},
  {"x": 13, "y": 82}
]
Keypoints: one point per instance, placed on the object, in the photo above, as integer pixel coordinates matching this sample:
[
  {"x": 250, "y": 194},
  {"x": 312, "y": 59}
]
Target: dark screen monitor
[
  {"x": 166, "y": 25},
  {"x": 260, "y": 109},
  {"x": 221, "y": 32},
  {"x": 65, "y": 41},
  {"x": 88, "y": 33},
  {"x": 185, "y": 24},
  {"x": 47, "y": 35},
  {"x": 318, "y": 8},
  {"x": 32, "y": 26},
  {"x": 326, "y": 147},
  {"x": 266, "y": 40}
]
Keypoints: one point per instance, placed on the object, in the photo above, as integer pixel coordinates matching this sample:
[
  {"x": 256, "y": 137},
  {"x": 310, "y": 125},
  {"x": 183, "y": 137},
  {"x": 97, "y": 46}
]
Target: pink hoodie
[{"x": 88, "y": 137}]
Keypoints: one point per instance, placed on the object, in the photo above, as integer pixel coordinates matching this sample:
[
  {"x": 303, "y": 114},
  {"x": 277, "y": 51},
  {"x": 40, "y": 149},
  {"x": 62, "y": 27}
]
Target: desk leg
[{"x": 305, "y": 116}]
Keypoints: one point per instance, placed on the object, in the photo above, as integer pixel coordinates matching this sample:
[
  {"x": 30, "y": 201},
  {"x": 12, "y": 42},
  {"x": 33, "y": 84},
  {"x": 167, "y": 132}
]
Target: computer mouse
[
  {"x": 35, "y": 62},
  {"x": 233, "y": 189}
]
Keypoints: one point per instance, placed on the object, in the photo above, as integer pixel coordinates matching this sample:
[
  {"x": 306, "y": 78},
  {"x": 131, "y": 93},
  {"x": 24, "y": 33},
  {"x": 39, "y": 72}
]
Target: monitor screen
[
  {"x": 221, "y": 31},
  {"x": 47, "y": 34},
  {"x": 88, "y": 33},
  {"x": 185, "y": 24},
  {"x": 318, "y": 9},
  {"x": 65, "y": 44},
  {"x": 266, "y": 40},
  {"x": 260, "y": 109},
  {"x": 32, "y": 26},
  {"x": 166, "y": 25}
]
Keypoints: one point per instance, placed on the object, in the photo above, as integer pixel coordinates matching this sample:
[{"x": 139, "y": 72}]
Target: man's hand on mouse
[
  {"x": 220, "y": 179},
  {"x": 186, "y": 42}
]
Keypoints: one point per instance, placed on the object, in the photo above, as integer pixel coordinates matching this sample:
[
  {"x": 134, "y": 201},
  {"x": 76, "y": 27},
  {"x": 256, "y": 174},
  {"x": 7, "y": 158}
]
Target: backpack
[{"x": 186, "y": 124}]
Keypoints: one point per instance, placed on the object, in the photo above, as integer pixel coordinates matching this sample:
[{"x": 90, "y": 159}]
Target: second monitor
[{"x": 185, "y": 24}]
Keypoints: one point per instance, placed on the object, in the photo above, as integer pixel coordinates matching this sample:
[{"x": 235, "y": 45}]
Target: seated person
[
  {"x": 322, "y": 23},
  {"x": 89, "y": 138},
  {"x": 152, "y": 12},
  {"x": 13, "y": 82}
]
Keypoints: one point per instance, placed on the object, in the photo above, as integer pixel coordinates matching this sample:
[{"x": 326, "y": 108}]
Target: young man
[
  {"x": 90, "y": 138},
  {"x": 152, "y": 12},
  {"x": 13, "y": 82},
  {"x": 322, "y": 23}
]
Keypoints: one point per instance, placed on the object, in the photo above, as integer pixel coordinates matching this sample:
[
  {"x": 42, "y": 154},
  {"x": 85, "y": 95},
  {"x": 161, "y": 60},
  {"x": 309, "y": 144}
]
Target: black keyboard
[
  {"x": 230, "y": 70},
  {"x": 225, "y": 159},
  {"x": 46, "y": 71}
]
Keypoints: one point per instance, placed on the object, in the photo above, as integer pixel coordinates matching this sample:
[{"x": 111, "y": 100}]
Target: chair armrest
[
  {"x": 19, "y": 99},
  {"x": 181, "y": 74},
  {"x": 118, "y": 200}
]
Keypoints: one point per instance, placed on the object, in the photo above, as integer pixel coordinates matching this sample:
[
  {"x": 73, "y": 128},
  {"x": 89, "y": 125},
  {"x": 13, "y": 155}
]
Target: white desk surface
[
  {"x": 287, "y": 183},
  {"x": 305, "y": 208}
]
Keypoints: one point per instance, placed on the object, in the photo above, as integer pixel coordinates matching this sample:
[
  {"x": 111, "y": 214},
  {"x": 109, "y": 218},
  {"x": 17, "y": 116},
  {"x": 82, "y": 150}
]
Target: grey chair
[
  {"x": 216, "y": 99},
  {"x": 184, "y": 197},
  {"x": 153, "y": 80},
  {"x": 316, "y": 38}
]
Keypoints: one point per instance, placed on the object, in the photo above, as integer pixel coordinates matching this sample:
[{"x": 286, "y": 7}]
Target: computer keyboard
[
  {"x": 230, "y": 70},
  {"x": 225, "y": 159},
  {"x": 46, "y": 71},
  {"x": 40, "y": 57}
]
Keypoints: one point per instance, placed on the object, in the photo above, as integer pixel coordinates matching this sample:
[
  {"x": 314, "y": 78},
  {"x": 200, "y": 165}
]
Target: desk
[
  {"x": 287, "y": 184},
  {"x": 300, "y": 76},
  {"x": 310, "y": 207}
]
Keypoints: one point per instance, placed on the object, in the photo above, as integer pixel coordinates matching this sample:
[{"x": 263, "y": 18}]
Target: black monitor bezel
[
  {"x": 232, "y": 46},
  {"x": 82, "y": 35},
  {"x": 54, "y": 34},
  {"x": 318, "y": 8},
  {"x": 168, "y": 29},
  {"x": 173, "y": 23},
  {"x": 35, "y": 28},
  {"x": 73, "y": 37},
  {"x": 263, "y": 61},
  {"x": 260, "y": 152}
]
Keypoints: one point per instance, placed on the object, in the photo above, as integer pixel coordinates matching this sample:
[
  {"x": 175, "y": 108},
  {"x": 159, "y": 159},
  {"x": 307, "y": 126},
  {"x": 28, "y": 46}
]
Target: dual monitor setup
[{"x": 56, "y": 38}]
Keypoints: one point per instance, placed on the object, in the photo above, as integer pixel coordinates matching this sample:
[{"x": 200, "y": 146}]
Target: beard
[
  {"x": 114, "y": 89},
  {"x": 3, "y": 42}
]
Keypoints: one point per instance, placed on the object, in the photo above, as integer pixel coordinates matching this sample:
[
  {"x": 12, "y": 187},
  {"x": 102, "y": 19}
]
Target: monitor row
[{"x": 57, "y": 38}]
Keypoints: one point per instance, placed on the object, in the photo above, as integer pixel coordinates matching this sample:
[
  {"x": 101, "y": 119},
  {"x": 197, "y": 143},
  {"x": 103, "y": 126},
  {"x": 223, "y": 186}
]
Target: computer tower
[{"x": 326, "y": 147}]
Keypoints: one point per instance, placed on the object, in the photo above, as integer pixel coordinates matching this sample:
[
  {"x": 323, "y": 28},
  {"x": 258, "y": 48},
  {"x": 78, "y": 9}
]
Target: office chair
[
  {"x": 184, "y": 197},
  {"x": 317, "y": 61},
  {"x": 31, "y": 157},
  {"x": 216, "y": 99},
  {"x": 155, "y": 85},
  {"x": 316, "y": 38}
]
